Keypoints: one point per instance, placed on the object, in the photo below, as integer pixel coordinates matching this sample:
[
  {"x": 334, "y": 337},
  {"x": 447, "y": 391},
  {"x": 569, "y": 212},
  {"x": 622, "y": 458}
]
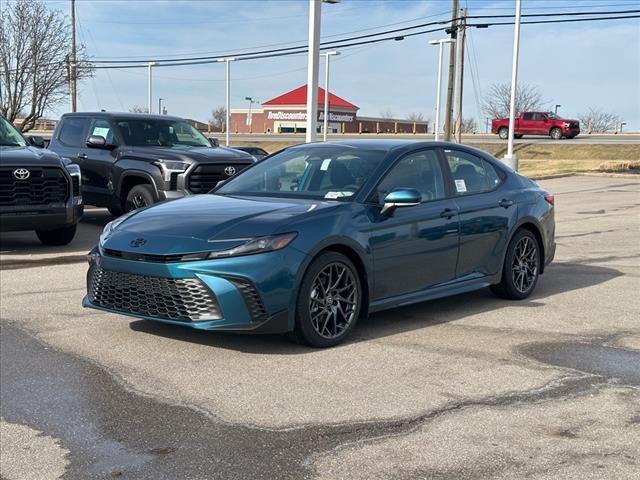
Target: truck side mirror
[{"x": 36, "y": 141}]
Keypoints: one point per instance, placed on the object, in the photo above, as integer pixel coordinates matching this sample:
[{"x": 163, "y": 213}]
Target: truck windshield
[
  {"x": 553, "y": 116},
  {"x": 160, "y": 133},
  {"x": 9, "y": 136}
]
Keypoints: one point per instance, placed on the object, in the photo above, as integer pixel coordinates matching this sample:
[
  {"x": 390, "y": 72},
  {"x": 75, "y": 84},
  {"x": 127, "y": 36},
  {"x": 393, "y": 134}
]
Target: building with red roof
[{"x": 287, "y": 113}]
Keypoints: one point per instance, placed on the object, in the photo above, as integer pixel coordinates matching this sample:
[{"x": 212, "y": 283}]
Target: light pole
[
  {"x": 149, "y": 65},
  {"x": 440, "y": 42},
  {"x": 510, "y": 158},
  {"x": 325, "y": 125},
  {"x": 227, "y": 60},
  {"x": 557, "y": 107},
  {"x": 160, "y": 105},
  {"x": 249, "y": 119}
]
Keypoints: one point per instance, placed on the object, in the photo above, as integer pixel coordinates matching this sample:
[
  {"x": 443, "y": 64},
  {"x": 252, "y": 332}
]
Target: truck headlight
[{"x": 167, "y": 167}]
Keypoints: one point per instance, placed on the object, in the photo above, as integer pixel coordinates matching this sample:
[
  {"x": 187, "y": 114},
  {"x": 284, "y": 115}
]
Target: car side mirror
[
  {"x": 400, "y": 197},
  {"x": 36, "y": 141},
  {"x": 214, "y": 142},
  {"x": 545, "y": 119},
  {"x": 98, "y": 141}
]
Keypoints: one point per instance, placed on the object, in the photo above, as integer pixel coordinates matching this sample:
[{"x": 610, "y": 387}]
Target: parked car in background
[
  {"x": 257, "y": 152},
  {"x": 39, "y": 190},
  {"x": 131, "y": 160},
  {"x": 537, "y": 123},
  {"x": 317, "y": 236}
]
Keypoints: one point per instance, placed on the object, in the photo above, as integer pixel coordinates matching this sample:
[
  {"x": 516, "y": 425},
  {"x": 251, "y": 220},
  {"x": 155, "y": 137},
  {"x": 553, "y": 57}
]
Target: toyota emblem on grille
[
  {"x": 23, "y": 173},
  {"x": 138, "y": 242},
  {"x": 230, "y": 171}
]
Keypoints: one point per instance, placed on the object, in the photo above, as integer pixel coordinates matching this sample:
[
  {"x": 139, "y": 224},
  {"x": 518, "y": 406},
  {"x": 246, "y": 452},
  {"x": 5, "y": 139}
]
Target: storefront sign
[{"x": 333, "y": 117}]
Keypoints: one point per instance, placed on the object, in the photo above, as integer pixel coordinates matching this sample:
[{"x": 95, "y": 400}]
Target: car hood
[
  {"x": 29, "y": 156},
  {"x": 208, "y": 223},
  {"x": 197, "y": 154}
]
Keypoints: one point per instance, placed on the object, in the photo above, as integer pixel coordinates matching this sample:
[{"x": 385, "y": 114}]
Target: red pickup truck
[{"x": 537, "y": 123}]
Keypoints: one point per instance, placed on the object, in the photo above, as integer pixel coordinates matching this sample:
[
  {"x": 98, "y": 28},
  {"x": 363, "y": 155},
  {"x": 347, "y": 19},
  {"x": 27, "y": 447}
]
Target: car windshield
[
  {"x": 553, "y": 116},
  {"x": 332, "y": 172},
  {"x": 160, "y": 133},
  {"x": 9, "y": 136}
]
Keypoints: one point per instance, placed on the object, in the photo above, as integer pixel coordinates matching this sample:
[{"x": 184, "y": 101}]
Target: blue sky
[{"x": 578, "y": 65}]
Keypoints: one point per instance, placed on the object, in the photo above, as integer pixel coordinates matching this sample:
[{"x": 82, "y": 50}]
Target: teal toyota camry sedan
[{"x": 318, "y": 236}]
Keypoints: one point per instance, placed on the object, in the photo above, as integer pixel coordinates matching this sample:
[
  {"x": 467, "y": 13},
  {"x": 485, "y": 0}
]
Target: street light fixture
[
  {"x": 325, "y": 125},
  {"x": 227, "y": 60},
  {"x": 149, "y": 65},
  {"x": 440, "y": 42},
  {"x": 249, "y": 119}
]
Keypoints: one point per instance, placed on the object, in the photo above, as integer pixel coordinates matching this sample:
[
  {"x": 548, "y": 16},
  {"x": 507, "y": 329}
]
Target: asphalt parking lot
[{"x": 464, "y": 387}]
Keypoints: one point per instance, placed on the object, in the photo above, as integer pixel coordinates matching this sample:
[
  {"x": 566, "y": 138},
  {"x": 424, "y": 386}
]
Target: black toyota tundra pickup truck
[
  {"x": 131, "y": 160},
  {"x": 39, "y": 190}
]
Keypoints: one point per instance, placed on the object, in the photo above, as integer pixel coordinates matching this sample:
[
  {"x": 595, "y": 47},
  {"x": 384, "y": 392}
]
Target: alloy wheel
[
  {"x": 138, "y": 201},
  {"x": 524, "y": 266},
  {"x": 333, "y": 300}
]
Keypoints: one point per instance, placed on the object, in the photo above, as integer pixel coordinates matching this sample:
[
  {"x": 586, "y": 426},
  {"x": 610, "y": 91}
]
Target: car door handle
[
  {"x": 504, "y": 203},
  {"x": 448, "y": 213},
  {"x": 82, "y": 156}
]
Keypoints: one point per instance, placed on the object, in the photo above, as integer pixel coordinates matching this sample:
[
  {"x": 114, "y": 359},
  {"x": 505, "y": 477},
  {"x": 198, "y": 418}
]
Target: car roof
[
  {"x": 123, "y": 116},
  {"x": 385, "y": 144}
]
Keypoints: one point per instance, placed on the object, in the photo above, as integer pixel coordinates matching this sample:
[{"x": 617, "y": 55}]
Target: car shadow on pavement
[{"x": 559, "y": 278}]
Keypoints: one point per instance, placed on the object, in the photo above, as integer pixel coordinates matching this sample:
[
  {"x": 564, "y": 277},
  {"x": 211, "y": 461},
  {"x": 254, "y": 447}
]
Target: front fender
[{"x": 128, "y": 167}]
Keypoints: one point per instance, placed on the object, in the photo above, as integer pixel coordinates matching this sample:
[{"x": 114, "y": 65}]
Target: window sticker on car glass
[
  {"x": 461, "y": 187},
  {"x": 334, "y": 195},
  {"x": 101, "y": 131},
  {"x": 325, "y": 164}
]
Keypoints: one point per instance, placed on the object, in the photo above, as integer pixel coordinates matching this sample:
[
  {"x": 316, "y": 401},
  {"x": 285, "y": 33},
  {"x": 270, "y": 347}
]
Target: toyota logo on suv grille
[
  {"x": 230, "y": 171},
  {"x": 21, "y": 173}
]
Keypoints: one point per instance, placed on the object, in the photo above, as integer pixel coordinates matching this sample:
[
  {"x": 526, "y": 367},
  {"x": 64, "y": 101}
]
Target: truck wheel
[
  {"x": 503, "y": 133},
  {"x": 57, "y": 237},
  {"x": 139, "y": 196},
  {"x": 556, "y": 133}
]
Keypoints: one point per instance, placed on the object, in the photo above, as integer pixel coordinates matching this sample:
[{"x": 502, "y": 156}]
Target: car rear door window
[
  {"x": 471, "y": 174},
  {"x": 420, "y": 171},
  {"x": 71, "y": 132}
]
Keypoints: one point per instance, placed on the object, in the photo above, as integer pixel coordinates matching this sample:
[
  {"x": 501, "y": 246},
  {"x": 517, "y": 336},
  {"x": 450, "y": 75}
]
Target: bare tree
[
  {"x": 138, "y": 109},
  {"x": 497, "y": 102},
  {"x": 387, "y": 114},
  {"x": 469, "y": 125},
  {"x": 598, "y": 121},
  {"x": 218, "y": 118},
  {"x": 34, "y": 51},
  {"x": 415, "y": 117}
]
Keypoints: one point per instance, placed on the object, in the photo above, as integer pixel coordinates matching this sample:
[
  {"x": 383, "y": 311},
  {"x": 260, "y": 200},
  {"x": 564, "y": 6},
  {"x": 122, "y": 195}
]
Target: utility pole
[
  {"x": 325, "y": 120},
  {"x": 460, "y": 73},
  {"x": 452, "y": 69},
  {"x": 510, "y": 158},
  {"x": 312, "y": 69},
  {"x": 72, "y": 62}
]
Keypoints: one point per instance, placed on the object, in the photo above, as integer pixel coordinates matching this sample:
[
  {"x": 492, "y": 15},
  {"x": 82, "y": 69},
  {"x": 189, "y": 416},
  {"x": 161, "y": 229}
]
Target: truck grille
[
  {"x": 43, "y": 187},
  {"x": 204, "y": 177},
  {"x": 181, "y": 299}
]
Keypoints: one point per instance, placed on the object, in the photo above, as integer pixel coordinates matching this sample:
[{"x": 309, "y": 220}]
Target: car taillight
[{"x": 550, "y": 199}]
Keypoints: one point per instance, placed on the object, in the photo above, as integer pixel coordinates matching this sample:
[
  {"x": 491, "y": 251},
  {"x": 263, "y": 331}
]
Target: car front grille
[
  {"x": 251, "y": 298},
  {"x": 180, "y": 299},
  {"x": 43, "y": 187},
  {"x": 205, "y": 176}
]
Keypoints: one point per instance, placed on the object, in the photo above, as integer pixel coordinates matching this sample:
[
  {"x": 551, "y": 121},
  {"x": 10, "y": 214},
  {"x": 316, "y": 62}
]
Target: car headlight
[
  {"x": 112, "y": 225},
  {"x": 256, "y": 245},
  {"x": 167, "y": 167}
]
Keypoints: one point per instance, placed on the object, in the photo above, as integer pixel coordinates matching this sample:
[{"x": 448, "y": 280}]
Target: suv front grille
[
  {"x": 251, "y": 298},
  {"x": 204, "y": 177},
  {"x": 43, "y": 187},
  {"x": 181, "y": 299}
]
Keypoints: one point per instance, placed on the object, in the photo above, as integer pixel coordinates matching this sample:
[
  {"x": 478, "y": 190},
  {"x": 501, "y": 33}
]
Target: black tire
[
  {"x": 139, "y": 196},
  {"x": 515, "y": 269},
  {"x": 341, "y": 313},
  {"x": 57, "y": 237},
  {"x": 556, "y": 133},
  {"x": 503, "y": 133},
  {"x": 115, "y": 211}
]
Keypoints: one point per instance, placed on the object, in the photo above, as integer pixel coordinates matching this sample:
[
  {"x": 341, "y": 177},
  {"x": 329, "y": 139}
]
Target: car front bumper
[
  {"x": 46, "y": 218},
  {"x": 252, "y": 293}
]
